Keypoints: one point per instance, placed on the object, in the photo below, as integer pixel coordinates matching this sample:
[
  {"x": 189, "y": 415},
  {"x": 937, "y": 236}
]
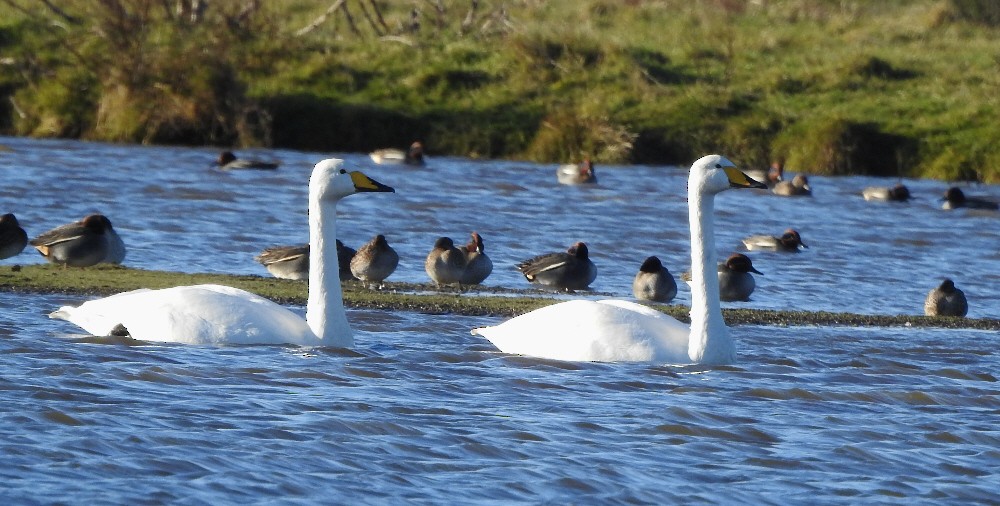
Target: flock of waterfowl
[{"x": 607, "y": 330}]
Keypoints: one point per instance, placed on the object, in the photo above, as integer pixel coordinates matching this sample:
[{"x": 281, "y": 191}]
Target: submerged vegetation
[
  {"x": 900, "y": 87},
  {"x": 477, "y": 301}
]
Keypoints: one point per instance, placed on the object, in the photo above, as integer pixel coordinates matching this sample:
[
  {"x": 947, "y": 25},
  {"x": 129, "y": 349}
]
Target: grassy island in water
[{"x": 475, "y": 301}]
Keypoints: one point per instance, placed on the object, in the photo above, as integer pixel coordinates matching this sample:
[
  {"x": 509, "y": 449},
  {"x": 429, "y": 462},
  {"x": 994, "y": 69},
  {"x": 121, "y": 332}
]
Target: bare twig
[
  {"x": 320, "y": 19},
  {"x": 371, "y": 21},
  {"x": 378, "y": 15},
  {"x": 59, "y": 12},
  {"x": 350, "y": 18}
]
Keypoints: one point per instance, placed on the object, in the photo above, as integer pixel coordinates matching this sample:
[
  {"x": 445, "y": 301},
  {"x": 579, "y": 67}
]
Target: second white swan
[{"x": 619, "y": 330}]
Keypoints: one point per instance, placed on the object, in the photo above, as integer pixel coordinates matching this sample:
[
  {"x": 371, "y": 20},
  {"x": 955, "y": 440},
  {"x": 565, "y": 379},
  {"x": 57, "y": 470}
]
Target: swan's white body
[
  {"x": 619, "y": 330},
  {"x": 213, "y": 314}
]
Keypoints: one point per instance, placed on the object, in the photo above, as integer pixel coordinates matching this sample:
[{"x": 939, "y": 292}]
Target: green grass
[
  {"x": 478, "y": 301},
  {"x": 833, "y": 87}
]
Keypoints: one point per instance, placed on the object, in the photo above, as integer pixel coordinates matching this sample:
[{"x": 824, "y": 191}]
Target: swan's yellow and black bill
[
  {"x": 737, "y": 179},
  {"x": 364, "y": 183}
]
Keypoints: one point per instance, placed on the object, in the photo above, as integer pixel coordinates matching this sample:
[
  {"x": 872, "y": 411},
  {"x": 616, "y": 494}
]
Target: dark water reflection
[{"x": 422, "y": 411}]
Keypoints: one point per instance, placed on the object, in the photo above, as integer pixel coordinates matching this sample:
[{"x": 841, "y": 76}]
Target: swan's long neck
[
  {"x": 325, "y": 308},
  {"x": 709, "y": 341}
]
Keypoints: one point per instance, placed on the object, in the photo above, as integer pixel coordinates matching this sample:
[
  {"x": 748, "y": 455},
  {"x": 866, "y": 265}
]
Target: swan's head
[
  {"x": 715, "y": 173},
  {"x": 331, "y": 181}
]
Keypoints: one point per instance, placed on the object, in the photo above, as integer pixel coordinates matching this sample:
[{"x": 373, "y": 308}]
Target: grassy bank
[
  {"x": 478, "y": 301},
  {"x": 833, "y": 87}
]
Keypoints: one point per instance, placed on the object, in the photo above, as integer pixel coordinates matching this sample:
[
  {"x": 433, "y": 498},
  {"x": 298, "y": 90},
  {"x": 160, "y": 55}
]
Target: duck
[
  {"x": 217, "y": 314},
  {"x": 82, "y": 243},
  {"x": 13, "y": 238},
  {"x": 897, "y": 193},
  {"x": 581, "y": 173},
  {"x": 946, "y": 300},
  {"x": 735, "y": 281},
  {"x": 287, "y": 262},
  {"x": 344, "y": 256},
  {"x": 654, "y": 282},
  {"x": 797, "y": 187},
  {"x": 954, "y": 198},
  {"x": 790, "y": 241},
  {"x": 618, "y": 330},
  {"x": 478, "y": 265},
  {"x": 445, "y": 264},
  {"x": 572, "y": 270},
  {"x": 374, "y": 261},
  {"x": 228, "y": 161},
  {"x": 392, "y": 156}
]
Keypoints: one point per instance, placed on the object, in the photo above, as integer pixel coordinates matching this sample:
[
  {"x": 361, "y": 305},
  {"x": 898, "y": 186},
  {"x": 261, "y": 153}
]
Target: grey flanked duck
[
  {"x": 13, "y": 238},
  {"x": 790, "y": 241},
  {"x": 654, "y": 282},
  {"x": 735, "y": 281},
  {"x": 572, "y": 270},
  {"x": 228, "y": 161},
  {"x": 946, "y": 300},
  {"x": 292, "y": 262},
  {"x": 797, "y": 187},
  {"x": 897, "y": 193},
  {"x": 286, "y": 262},
  {"x": 478, "y": 265},
  {"x": 374, "y": 261},
  {"x": 79, "y": 244},
  {"x": 954, "y": 198},
  {"x": 445, "y": 263},
  {"x": 392, "y": 156},
  {"x": 580, "y": 173}
]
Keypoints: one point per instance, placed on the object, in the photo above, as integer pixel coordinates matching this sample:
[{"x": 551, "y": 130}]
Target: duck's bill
[
  {"x": 364, "y": 183},
  {"x": 737, "y": 179},
  {"x": 755, "y": 271}
]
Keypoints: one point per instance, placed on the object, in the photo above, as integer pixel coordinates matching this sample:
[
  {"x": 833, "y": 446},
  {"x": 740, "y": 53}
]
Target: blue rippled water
[{"x": 423, "y": 412}]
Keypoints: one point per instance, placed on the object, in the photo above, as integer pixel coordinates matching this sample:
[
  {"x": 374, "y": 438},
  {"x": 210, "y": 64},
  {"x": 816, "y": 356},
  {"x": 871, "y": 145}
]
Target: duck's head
[
  {"x": 331, "y": 181},
  {"x": 715, "y": 173},
  {"x": 380, "y": 242},
  {"x": 579, "y": 250},
  {"x": 791, "y": 239},
  {"x": 899, "y": 192},
  {"x": 776, "y": 172},
  {"x": 476, "y": 244},
  {"x": 416, "y": 151},
  {"x": 954, "y": 195},
  {"x": 444, "y": 243},
  {"x": 741, "y": 263},
  {"x": 800, "y": 181},
  {"x": 947, "y": 286},
  {"x": 9, "y": 220},
  {"x": 651, "y": 264},
  {"x": 225, "y": 157},
  {"x": 96, "y": 223}
]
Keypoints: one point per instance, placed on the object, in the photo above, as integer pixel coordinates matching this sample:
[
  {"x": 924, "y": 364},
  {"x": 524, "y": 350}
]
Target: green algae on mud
[{"x": 422, "y": 298}]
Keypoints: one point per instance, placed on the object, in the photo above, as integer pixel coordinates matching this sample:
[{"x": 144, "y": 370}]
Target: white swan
[
  {"x": 213, "y": 314},
  {"x": 619, "y": 330}
]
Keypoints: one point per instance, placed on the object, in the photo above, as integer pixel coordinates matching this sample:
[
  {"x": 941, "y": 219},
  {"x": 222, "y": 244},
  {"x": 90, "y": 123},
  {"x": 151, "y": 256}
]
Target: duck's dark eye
[
  {"x": 343, "y": 171},
  {"x": 718, "y": 166}
]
